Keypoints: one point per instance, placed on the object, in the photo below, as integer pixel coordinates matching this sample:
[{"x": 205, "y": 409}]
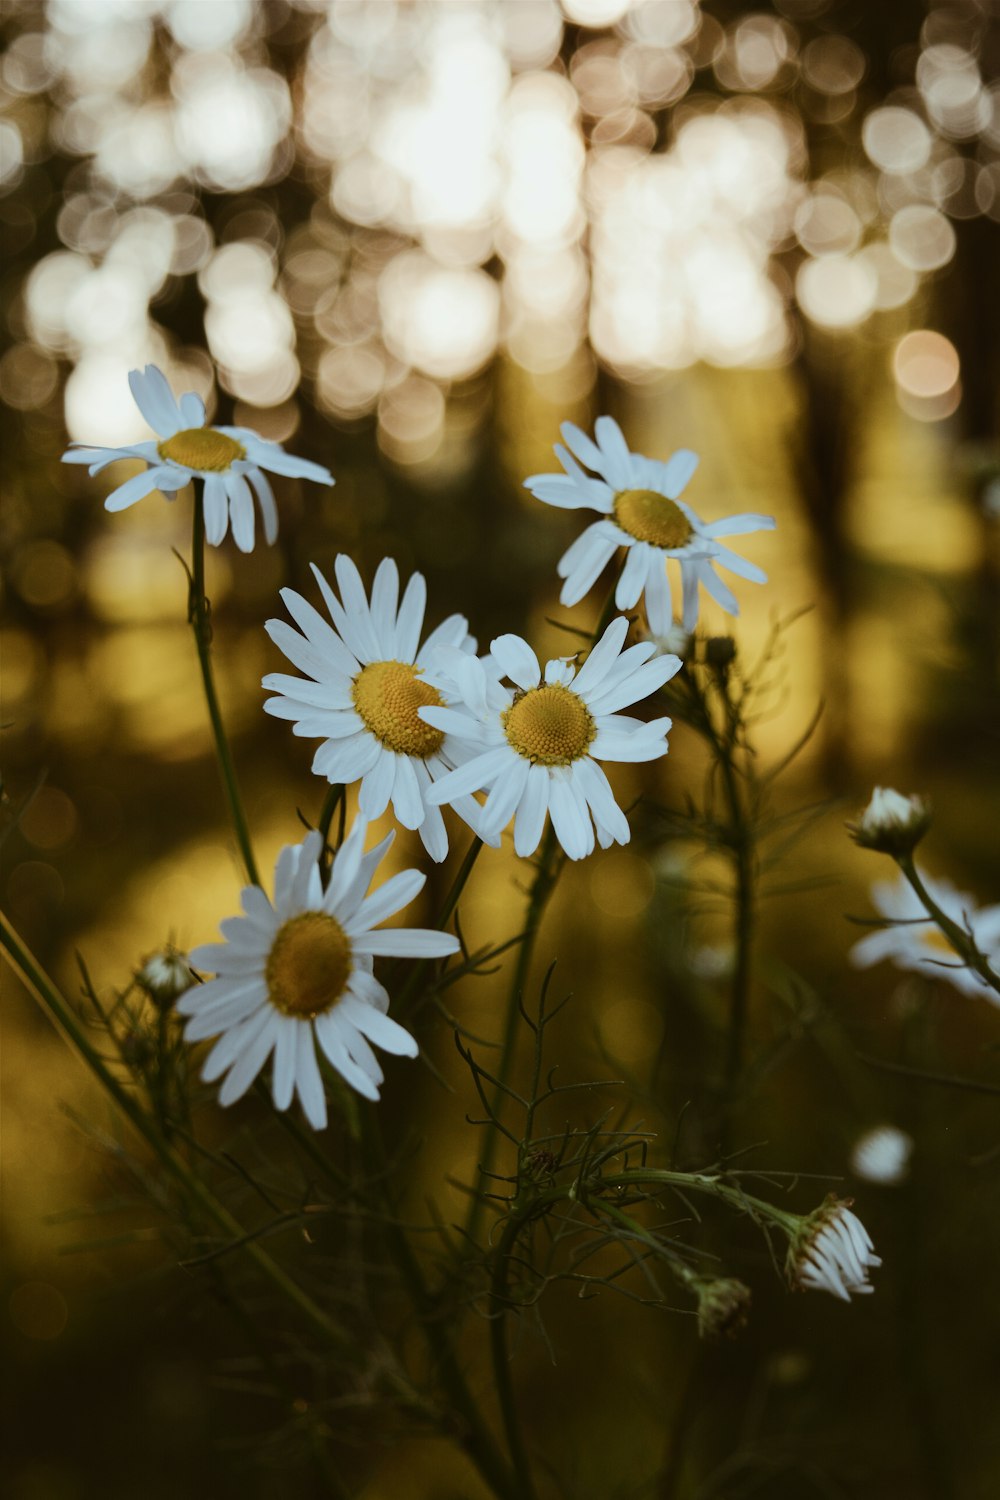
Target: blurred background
[{"x": 408, "y": 240}]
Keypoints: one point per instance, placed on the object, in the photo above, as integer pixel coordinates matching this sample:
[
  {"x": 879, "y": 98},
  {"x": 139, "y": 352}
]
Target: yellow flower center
[
  {"x": 308, "y": 966},
  {"x": 202, "y": 448},
  {"x": 652, "y": 518},
  {"x": 549, "y": 725},
  {"x": 387, "y": 695}
]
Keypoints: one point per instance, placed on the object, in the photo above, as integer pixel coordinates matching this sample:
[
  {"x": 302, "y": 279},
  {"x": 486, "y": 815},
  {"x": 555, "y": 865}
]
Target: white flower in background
[
  {"x": 367, "y": 683},
  {"x": 832, "y": 1252},
  {"x": 919, "y": 946},
  {"x": 639, "y": 498},
  {"x": 882, "y": 1155},
  {"x": 537, "y": 748},
  {"x": 228, "y": 459},
  {"x": 891, "y": 823},
  {"x": 299, "y": 971},
  {"x": 673, "y": 642}
]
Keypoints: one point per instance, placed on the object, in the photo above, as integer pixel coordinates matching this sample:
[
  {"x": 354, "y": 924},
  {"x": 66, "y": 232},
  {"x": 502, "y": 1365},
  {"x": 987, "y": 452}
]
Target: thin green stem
[
  {"x": 334, "y": 796},
  {"x": 42, "y": 989},
  {"x": 500, "y": 1355},
  {"x": 475, "y": 1436},
  {"x": 960, "y": 940},
  {"x": 200, "y": 621},
  {"x": 705, "y": 1182},
  {"x": 546, "y": 873}
]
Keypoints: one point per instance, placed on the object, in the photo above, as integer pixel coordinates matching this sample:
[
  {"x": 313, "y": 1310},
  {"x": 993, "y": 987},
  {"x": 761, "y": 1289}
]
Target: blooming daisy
[
  {"x": 639, "y": 498},
  {"x": 299, "y": 971},
  {"x": 832, "y": 1252},
  {"x": 918, "y": 945},
  {"x": 536, "y": 746},
  {"x": 226, "y": 458},
  {"x": 367, "y": 680}
]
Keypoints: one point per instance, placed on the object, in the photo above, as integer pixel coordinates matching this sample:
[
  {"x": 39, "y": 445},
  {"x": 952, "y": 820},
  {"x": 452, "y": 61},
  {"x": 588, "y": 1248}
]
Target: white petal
[
  {"x": 677, "y": 471},
  {"x": 136, "y": 488},
  {"x": 570, "y": 819},
  {"x": 530, "y": 818},
  {"x": 739, "y": 525},
  {"x": 410, "y": 620},
  {"x": 376, "y": 788},
  {"x": 329, "y": 1036},
  {"x": 250, "y": 1061},
  {"x": 505, "y": 797},
  {"x": 283, "y": 1078},
  {"x": 216, "y": 503},
  {"x": 378, "y": 1028},
  {"x": 406, "y": 942},
  {"x": 154, "y": 398},
  {"x": 633, "y": 576},
  {"x": 407, "y": 802},
  {"x": 241, "y": 511},
  {"x": 265, "y": 499},
  {"x": 385, "y": 598},
  {"x": 641, "y": 683},
  {"x": 602, "y": 658},
  {"x": 473, "y": 776},
  {"x": 517, "y": 660},
  {"x": 659, "y": 609},
  {"x": 229, "y": 1047},
  {"x": 397, "y": 892}
]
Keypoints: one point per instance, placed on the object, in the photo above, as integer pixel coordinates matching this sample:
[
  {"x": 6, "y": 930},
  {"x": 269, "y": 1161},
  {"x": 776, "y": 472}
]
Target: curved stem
[
  {"x": 960, "y": 940},
  {"x": 200, "y": 621}
]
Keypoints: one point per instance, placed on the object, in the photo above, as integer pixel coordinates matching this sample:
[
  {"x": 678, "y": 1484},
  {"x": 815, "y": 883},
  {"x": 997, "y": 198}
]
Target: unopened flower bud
[
  {"x": 723, "y": 1306},
  {"x": 720, "y": 652},
  {"x": 165, "y": 976},
  {"x": 891, "y": 823},
  {"x": 832, "y": 1252}
]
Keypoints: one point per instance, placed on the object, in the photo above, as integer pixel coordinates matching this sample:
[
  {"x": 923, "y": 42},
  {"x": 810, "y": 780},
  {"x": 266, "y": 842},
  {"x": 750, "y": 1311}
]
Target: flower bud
[
  {"x": 720, "y": 652},
  {"x": 165, "y": 976},
  {"x": 891, "y": 823},
  {"x": 832, "y": 1252},
  {"x": 723, "y": 1306}
]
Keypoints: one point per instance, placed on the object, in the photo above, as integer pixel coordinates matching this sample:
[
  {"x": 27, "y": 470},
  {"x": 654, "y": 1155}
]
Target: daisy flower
[
  {"x": 298, "y": 971},
  {"x": 919, "y": 946},
  {"x": 537, "y": 745},
  {"x": 891, "y": 823},
  {"x": 832, "y": 1252},
  {"x": 229, "y": 459},
  {"x": 365, "y": 684},
  {"x": 639, "y": 500}
]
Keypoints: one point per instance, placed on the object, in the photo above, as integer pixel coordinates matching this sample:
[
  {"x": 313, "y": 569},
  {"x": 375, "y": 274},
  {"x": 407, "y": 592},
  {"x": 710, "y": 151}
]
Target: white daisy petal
[
  {"x": 505, "y": 797},
  {"x": 407, "y": 802},
  {"x": 738, "y": 525},
  {"x": 570, "y": 820},
  {"x": 308, "y": 1083},
  {"x": 530, "y": 818},
  {"x": 677, "y": 471},
  {"x": 136, "y": 488},
  {"x": 229, "y": 1047},
  {"x": 285, "y": 1049},
  {"x": 517, "y": 660},
  {"x": 250, "y": 1061},
  {"x": 410, "y": 620},
  {"x": 216, "y": 503},
  {"x": 266, "y": 501},
  {"x": 241, "y": 511},
  {"x": 334, "y": 653},
  {"x": 397, "y": 892},
  {"x": 379, "y": 1028},
  {"x": 385, "y": 598},
  {"x": 602, "y": 658},
  {"x": 376, "y": 788},
  {"x": 329, "y": 1036},
  {"x": 154, "y": 398},
  {"x": 406, "y": 942},
  {"x": 477, "y": 773},
  {"x": 192, "y": 409}
]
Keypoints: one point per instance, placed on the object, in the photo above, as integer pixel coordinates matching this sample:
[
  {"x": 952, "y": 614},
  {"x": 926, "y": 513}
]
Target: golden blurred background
[{"x": 408, "y": 240}]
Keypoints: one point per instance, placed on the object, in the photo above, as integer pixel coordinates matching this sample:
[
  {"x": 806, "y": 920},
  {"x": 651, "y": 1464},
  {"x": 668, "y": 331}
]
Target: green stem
[
  {"x": 546, "y": 872},
  {"x": 705, "y": 1182},
  {"x": 959, "y": 939},
  {"x": 331, "y": 801},
  {"x": 199, "y": 619},
  {"x": 40, "y": 986},
  {"x": 475, "y": 1437},
  {"x": 499, "y": 1300}
]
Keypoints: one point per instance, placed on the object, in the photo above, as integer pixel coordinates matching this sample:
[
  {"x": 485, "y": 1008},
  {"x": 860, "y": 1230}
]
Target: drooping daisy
[
  {"x": 299, "y": 971},
  {"x": 537, "y": 746},
  {"x": 228, "y": 459},
  {"x": 367, "y": 680},
  {"x": 640, "y": 500},
  {"x": 919, "y": 946},
  {"x": 832, "y": 1252}
]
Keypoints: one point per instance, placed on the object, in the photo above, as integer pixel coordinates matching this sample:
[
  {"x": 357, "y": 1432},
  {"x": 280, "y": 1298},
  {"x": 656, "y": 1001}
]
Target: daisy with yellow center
[
  {"x": 639, "y": 499},
  {"x": 912, "y": 941},
  {"x": 536, "y": 745},
  {"x": 230, "y": 461},
  {"x": 298, "y": 971},
  {"x": 367, "y": 684}
]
